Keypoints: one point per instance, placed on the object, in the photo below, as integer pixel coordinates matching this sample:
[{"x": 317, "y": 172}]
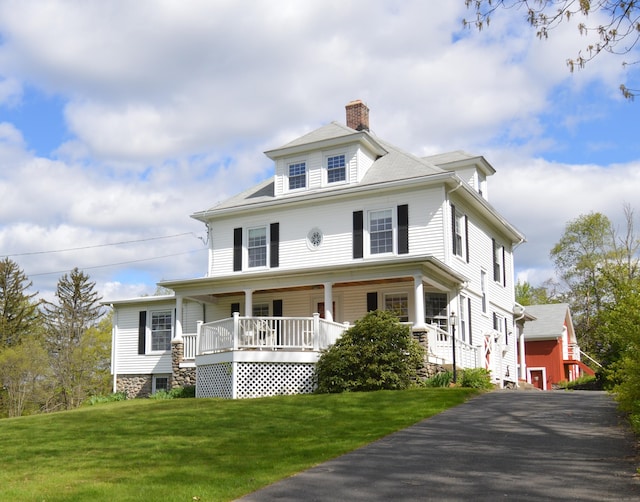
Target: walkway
[{"x": 504, "y": 445}]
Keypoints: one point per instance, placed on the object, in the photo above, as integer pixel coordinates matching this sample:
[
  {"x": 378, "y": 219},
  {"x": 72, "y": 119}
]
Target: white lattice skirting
[{"x": 238, "y": 380}]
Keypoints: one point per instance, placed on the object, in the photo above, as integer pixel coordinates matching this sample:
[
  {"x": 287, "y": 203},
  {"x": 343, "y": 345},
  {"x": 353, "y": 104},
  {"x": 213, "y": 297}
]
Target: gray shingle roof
[{"x": 549, "y": 321}]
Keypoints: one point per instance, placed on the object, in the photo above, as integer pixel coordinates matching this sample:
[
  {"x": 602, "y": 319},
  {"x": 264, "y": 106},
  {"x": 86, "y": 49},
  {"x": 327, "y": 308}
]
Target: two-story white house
[{"x": 347, "y": 224}]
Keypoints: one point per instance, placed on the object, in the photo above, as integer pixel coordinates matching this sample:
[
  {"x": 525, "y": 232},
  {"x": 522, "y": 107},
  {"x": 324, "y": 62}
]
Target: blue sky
[{"x": 120, "y": 119}]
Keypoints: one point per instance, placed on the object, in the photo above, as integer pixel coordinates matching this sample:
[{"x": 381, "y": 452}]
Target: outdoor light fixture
[{"x": 452, "y": 323}]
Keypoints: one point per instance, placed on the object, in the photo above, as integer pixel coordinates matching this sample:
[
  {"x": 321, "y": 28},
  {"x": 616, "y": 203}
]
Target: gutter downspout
[
  {"x": 523, "y": 365},
  {"x": 114, "y": 348}
]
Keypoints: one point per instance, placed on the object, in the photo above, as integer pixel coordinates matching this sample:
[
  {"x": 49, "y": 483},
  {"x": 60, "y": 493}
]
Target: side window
[
  {"x": 336, "y": 169},
  {"x": 161, "y": 327},
  {"x": 398, "y": 303},
  {"x": 498, "y": 263},
  {"x": 483, "y": 286},
  {"x": 297, "y": 175},
  {"x": 160, "y": 383},
  {"x": 381, "y": 231},
  {"x": 260, "y": 310}
]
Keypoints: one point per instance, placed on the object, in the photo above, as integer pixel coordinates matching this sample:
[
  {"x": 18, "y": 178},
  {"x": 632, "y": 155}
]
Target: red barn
[{"x": 551, "y": 349}]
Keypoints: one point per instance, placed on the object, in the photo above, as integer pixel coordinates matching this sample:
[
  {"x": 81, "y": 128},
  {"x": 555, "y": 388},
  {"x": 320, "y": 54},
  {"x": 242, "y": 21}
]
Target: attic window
[
  {"x": 336, "y": 169},
  {"x": 297, "y": 175}
]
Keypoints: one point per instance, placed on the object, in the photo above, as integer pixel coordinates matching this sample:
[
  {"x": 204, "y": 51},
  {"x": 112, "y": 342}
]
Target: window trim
[
  {"x": 266, "y": 247},
  {"x": 397, "y": 294},
  {"x": 394, "y": 232},
  {"x": 150, "y": 331},
  {"x": 304, "y": 175},
  {"x": 344, "y": 168},
  {"x": 154, "y": 385}
]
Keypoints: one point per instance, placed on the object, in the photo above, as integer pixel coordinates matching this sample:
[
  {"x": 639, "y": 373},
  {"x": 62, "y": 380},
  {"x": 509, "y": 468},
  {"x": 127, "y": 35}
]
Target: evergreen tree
[
  {"x": 70, "y": 326},
  {"x": 18, "y": 311}
]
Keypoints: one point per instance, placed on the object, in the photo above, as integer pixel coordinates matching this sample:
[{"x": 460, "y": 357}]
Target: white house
[{"x": 347, "y": 224}]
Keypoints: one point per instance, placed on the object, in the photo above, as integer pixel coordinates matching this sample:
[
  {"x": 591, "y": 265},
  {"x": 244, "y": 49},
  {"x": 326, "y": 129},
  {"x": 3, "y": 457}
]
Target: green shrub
[
  {"x": 377, "y": 353},
  {"x": 476, "y": 378},
  {"x": 176, "y": 393},
  {"x": 585, "y": 382},
  {"x": 117, "y": 396},
  {"x": 442, "y": 379}
]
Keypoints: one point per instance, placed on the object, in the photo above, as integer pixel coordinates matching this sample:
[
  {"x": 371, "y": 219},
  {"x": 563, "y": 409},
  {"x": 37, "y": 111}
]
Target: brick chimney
[{"x": 357, "y": 115}]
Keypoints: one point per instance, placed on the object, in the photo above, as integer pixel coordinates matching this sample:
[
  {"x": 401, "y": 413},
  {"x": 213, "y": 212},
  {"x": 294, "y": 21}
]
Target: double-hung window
[
  {"x": 297, "y": 175},
  {"x": 499, "y": 274},
  {"x": 161, "y": 324},
  {"x": 459, "y": 228},
  {"x": 257, "y": 247},
  {"x": 398, "y": 304},
  {"x": 381, "y": 231},
  {"x": 435, "y": 305},
  {"x": 336, "y": 169}
]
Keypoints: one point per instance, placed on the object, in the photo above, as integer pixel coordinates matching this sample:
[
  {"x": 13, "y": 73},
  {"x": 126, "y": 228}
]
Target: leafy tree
[
  {"x": 526, "y": 294},
  {"x": 71, "y": 333},
  {"x": 618, "y": 34},
  {"x": 23, "y": 371},
  {"x": 581, "y": 257},
  {"x": 378, "y": 352},
  {"x": 18, "y": 311}
]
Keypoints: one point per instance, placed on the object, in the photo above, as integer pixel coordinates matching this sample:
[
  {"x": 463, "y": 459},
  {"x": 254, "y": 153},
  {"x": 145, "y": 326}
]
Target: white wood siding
[
  {"x": 335, "y": 220},
  {"x": 127, "y": 360}
]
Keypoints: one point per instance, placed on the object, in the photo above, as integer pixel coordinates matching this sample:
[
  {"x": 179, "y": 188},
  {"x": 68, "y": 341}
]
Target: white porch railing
[
  {"x": 441, "y": 350},
  {"x": 190, "y": 346},
  {"x": 270, "y": 333}
]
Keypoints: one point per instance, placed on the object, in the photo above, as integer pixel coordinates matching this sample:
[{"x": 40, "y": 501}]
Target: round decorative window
[{"x": 314, "y": 238}]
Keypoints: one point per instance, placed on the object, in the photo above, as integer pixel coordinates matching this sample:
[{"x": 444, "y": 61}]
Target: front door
[{"x": 537, "y": 379}]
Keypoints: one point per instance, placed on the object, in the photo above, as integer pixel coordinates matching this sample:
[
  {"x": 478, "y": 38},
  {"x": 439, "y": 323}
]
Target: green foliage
[
  {"x": 526, "y": 294},
  {"x": 476, "y": 378},
  {"x": 442, "y": 379},
  {"x": 19, "y": 316},
  {"x": 585, "y": 381},
  {"x": 378, "y": 352},
  {"x": 109, "y": 398},
  {"x": 176, "y": 393}
]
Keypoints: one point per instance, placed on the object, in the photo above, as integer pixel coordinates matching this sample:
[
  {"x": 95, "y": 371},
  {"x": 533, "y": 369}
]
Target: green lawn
[{"x": 175, "y": 450}]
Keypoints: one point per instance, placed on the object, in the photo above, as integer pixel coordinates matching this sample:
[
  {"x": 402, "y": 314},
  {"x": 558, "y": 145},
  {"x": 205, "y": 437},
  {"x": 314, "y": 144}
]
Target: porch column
[
  {"x": 177, "y": 335},
  {"x": 328, "y": 301},
  {"x": 418, "y": 301},
  {"x": 523, "y": 357},
  {"x": 248, "y": 302}
]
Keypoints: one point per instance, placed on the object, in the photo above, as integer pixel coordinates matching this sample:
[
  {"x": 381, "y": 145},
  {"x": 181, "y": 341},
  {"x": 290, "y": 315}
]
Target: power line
[
  {"x": 117, "y": 264},
  {"x": 99, "y": 245}
]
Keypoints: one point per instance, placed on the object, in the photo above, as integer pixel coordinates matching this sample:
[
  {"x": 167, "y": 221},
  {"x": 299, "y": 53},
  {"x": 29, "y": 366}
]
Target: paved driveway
[{"x": 504, "y": 445}]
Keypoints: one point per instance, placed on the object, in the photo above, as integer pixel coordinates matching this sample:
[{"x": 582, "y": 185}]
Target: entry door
[
  {"x": 537, "y": 379},
  {"x": 321, "y": 310}
]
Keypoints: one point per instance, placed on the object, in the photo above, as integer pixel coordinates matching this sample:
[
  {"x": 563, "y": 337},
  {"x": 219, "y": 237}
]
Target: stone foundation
[
  {"x": 428, "y": 369},
  {"x": 181, "y": 377},
  {"x": 134, "y": 385}
]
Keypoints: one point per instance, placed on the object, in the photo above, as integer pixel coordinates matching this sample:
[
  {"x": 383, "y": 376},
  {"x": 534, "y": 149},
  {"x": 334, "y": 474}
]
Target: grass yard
[{"x": 175, "y": 450}]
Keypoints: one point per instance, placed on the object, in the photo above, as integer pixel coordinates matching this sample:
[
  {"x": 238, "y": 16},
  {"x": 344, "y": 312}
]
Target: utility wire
[
  {"x": 117, "y": 264},
  {"x": 99, "y": 245}
]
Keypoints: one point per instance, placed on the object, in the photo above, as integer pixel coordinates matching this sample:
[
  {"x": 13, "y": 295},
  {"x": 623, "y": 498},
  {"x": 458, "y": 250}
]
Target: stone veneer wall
[
  {"x": 181, "y": 377},
  {"x": 428, "y": 369},
  {"x": 134, "y": 385}
]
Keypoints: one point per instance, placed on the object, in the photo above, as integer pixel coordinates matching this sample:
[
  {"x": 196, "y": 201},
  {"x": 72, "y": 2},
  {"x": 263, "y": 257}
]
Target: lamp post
[{"x": 452, "y": 323}]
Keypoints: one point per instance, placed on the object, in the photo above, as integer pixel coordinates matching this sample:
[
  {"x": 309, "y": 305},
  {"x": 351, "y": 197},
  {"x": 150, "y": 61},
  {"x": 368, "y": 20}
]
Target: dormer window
[
  {"x": 297, "y": 175},
  {"x": 336, "y": 169}
]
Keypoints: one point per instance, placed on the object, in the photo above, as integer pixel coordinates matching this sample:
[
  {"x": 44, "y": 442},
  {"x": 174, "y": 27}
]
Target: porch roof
[{"x": 432, "y": 271}]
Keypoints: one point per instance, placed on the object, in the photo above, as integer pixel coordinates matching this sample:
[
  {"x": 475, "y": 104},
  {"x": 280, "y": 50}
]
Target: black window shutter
[
  {"x": 504, "y": 267},
  {"x": 277, "y": 308},
  {"x": 453, "y": 229},
  {"x": 469, "y": 321},
  {"x": 403, "y": 229},
  {"x": 466, "y": 236},
  {"x": 237, "y": 249},
  {"x": 358, "y": 225},
  {"x": 506, "y": 331},
  {"x": 235, "y": 307},
  {"x": 372, "y": 301},
  {"x": 496, "y": 269},
  {"x": 142, "y": 332},
  {"x": 274, "y": 243}
]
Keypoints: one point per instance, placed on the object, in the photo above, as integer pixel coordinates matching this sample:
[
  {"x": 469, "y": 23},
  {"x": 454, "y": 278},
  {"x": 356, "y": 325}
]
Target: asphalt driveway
[{"x": 504, "y": 445}]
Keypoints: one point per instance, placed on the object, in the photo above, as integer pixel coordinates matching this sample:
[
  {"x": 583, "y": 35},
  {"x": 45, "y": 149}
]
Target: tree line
[
  {"x": 53, "y": 354},
  {"x": 598, "y": 275}
]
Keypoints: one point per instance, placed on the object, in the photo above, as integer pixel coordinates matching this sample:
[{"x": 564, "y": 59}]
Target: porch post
[
  {"x": 177, "y": 336},
  {"x": 418, "y": 301},
  {"x": 248, "y": 302},
  {"x": 328, "y": 301},
  {"x": 523, "y": 357}
]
